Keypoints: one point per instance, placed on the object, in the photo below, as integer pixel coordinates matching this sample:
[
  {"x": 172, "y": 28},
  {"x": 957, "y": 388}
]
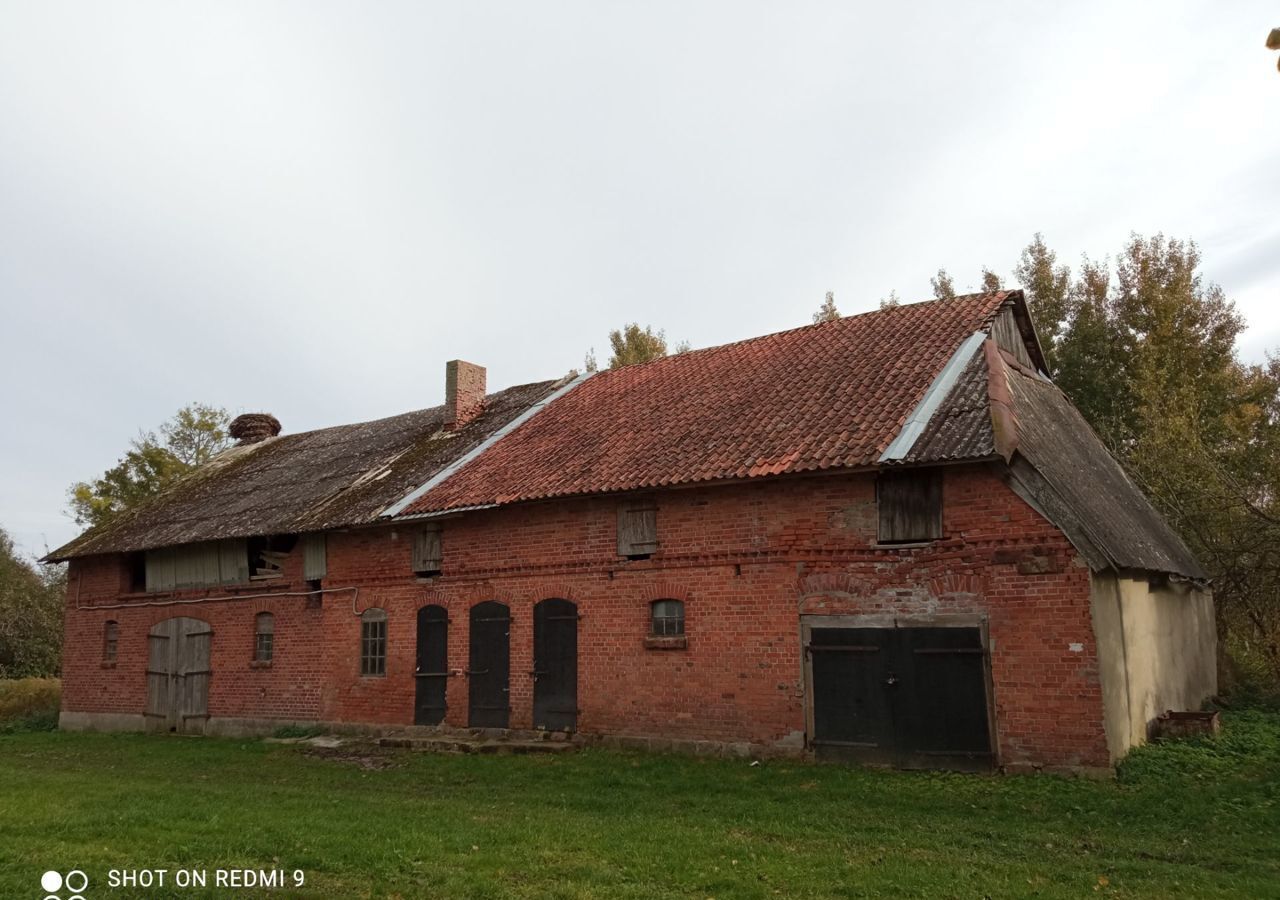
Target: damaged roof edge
[
  {"x": 444, "y": 474},
  {"x": 911, "y": 430}
]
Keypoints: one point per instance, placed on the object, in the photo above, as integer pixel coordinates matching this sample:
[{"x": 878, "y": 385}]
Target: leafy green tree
[
  {"x": 1048, "y": 289},
  {"x": 31, "y": 599},
  {"x": 990, "y": 281},
  {"x": 943, "y": 287},
  {"x": 1146, "y": 349},
  {"x": 632, "y": 344},
  {"x": 191, "y": 438},
  {"x": 827, "y": 312}
]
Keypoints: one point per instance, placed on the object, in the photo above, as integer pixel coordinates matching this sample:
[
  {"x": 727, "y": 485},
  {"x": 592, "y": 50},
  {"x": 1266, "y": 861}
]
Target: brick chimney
[
  {"x": 463, "y": 393},
  {"x": 251, "y": 428}
]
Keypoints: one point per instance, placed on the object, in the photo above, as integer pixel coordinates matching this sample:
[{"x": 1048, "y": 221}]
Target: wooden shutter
[
  {"x": 637, "y": 529},
  {"x": 234, "y": 567},
  {"x": 315, "y": 563},
  {"x": 910, "y": 504},
  {"x": 428, "y": 555},
  {"x": 161, "y": 574},
  {"x": 205, "y": 564}
]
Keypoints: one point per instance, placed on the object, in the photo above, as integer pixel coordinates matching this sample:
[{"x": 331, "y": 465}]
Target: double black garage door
[{"x": 914, "y": 697}]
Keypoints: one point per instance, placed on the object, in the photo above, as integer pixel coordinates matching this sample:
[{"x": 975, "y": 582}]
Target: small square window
[{"x": 667, "y": 618}]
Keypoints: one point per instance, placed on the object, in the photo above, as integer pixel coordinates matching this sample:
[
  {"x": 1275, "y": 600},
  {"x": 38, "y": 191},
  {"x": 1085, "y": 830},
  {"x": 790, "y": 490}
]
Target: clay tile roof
[{"x": 819, "y": 397}]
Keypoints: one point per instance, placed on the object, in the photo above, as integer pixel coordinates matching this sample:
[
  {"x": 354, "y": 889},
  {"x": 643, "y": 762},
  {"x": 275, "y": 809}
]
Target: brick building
[{"x": 887, "y": 538}]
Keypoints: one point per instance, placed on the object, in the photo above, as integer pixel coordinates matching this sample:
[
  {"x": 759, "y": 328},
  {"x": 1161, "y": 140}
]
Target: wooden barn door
[
  {"x": 489, "y": 675},
  {"x": 432, "y": 672},
  {"x": 555, "y": 665},
  {"x": 178, "y": 670},
  {"x": 943, "y": 698},
  {"x": 914, "y": 697},
  {"x": 851, "y": 711}
]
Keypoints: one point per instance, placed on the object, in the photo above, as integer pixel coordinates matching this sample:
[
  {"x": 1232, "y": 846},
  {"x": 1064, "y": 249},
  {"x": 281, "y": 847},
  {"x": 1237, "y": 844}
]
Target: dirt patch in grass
[{"x": 365, "y": 755}]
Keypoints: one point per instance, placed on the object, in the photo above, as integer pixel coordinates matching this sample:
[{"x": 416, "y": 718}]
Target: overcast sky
[{"x": 306, "y": 208}]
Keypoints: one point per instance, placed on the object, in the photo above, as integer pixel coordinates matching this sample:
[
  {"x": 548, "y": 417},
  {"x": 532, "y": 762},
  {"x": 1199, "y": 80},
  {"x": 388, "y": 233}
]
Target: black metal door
[
  {"x": 490, "y": 666},
  {"x": 911, "y": 697},
  {"x": 431, "y": 673},
  {"x": 555, "y": 665},
  {"x": 851, "y": 711}
]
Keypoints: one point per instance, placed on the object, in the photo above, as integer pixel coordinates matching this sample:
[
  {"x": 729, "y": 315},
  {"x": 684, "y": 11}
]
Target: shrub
[
  {"x": 1249, "y": 743},
  {"x": 29, "y": 704}
]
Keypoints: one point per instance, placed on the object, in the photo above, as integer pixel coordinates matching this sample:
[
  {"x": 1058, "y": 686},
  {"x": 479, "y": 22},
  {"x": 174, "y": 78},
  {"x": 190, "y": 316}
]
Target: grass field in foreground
[{"x": 1195, "y": 819}]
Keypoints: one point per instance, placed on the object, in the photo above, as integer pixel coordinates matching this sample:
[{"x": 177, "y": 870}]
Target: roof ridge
[
  {"x": 408, "y": 412},
  {"x": 814, "y": 326}
]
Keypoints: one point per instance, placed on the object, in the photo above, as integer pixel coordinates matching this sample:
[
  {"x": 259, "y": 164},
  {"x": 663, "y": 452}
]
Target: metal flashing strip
[
  {"x": 445, "y": 513},
  {"x": 435, "y": 480},
  {"x": 932, "y": 399}
]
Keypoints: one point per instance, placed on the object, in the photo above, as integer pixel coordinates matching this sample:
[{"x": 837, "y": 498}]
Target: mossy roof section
[
  {"x": 1114, "y": 513},
  {"x": 310, "y": 481}
]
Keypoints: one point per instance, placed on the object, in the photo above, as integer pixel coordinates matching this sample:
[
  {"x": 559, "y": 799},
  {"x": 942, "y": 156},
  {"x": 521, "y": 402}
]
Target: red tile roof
[{"x": 818, "y": 397}]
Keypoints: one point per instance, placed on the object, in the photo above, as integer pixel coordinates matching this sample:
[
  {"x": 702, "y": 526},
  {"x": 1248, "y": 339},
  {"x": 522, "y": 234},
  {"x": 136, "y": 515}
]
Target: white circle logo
[
  {"x": 51, "y": 881},
  {"x": 73, "y": 875}
]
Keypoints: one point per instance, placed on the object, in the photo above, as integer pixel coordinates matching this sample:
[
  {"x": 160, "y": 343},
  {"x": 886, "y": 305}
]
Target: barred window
[
  {"x": 264, "y": 635},
  {"x": 373, "y": 642},
  {"x": 110, "y": 637},
  {"x": 668, "y": 617}
]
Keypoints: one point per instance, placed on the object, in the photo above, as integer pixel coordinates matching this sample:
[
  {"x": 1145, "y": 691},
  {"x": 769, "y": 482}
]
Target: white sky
[{"x": 306, "y": 208}]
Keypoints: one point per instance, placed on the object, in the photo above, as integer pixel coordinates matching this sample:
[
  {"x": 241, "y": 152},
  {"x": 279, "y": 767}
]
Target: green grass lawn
[{"x": 1197, "y": 819}]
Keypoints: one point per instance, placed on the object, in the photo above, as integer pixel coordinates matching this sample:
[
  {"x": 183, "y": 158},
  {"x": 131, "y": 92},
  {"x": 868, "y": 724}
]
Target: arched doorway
[
  {"x": 555, "y": 665},
  {"x": 431, "y": 674},
  {"x": 178, "y": 670},
  {"x": 489, "y": 672}
]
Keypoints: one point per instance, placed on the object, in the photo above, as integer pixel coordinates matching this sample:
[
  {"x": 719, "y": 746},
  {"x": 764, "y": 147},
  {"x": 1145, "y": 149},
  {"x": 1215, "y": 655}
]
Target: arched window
[
  {"x": 110, "y": 637},
  {"x": 264, "y": 637},
  {"x": 373, "y": 642},
  {"x": 667, "y": 618}
]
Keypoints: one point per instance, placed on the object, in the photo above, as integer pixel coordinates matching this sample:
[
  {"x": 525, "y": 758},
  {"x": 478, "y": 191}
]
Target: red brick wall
[{"x": 746, "y": 559}]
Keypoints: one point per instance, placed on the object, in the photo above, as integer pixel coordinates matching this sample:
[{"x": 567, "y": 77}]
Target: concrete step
[{"x": 462, "y": 744}]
